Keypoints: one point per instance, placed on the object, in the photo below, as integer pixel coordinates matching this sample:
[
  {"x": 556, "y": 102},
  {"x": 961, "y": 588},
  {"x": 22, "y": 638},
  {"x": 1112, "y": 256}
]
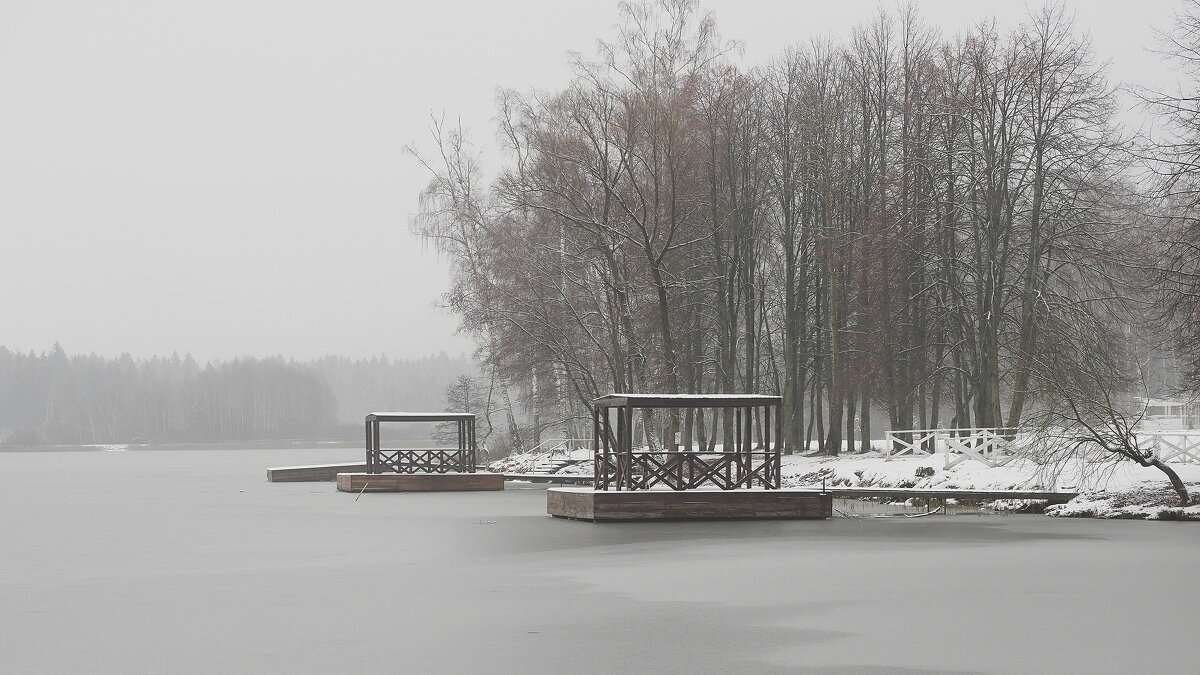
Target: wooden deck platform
[
  {"x": 419, "y": 482},
  {"x": 612, "y": 505},
  {"x": 312, "y": 472}
]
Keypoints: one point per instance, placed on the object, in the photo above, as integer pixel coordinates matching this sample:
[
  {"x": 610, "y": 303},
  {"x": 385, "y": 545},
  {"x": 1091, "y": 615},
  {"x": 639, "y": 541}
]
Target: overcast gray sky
[{"x": 228, "y": 177}]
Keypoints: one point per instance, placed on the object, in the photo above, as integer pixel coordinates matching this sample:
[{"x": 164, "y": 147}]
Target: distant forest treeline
[{"x": 54, "y": 398}]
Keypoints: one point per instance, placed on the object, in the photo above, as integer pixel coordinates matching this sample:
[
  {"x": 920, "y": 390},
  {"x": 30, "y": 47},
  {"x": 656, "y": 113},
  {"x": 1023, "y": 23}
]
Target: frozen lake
[{"x": 189, "y": 561}]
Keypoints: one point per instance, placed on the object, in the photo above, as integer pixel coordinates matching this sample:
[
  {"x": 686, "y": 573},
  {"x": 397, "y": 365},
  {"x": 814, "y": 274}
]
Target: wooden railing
[
  {"x": 420, "y": 460},
  {"x": 686, "y": 470}
]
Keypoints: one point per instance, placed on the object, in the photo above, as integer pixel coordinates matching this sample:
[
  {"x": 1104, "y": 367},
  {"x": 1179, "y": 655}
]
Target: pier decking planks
[
  {"x": 312, "y": 472},
  {"x": 419, "y": 482},
  {"x": 613, "y": 505}
]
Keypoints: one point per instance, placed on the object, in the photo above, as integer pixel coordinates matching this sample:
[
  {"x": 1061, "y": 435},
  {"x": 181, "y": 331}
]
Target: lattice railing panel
[
  {"x": 421, "y": 460},
  {"x": 683, "y": 470}
]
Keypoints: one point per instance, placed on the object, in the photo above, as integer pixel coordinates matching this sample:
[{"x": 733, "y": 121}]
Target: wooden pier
[
  {"x": 419, "y": 482},
  {"x": 312, "y": 472},
  {"x": 942, "y": 495},
  {"x": 758, "y": 504}
]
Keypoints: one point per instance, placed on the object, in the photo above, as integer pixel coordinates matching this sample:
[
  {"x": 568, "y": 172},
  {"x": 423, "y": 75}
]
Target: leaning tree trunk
[{"x": 1176, "y": 482}]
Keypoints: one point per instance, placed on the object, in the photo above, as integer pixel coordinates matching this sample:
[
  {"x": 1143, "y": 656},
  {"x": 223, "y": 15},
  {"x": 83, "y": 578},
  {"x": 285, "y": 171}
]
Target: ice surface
[{"x": 189, "y": 561}]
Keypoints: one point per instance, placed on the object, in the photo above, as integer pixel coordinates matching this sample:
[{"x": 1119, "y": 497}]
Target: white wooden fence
[
  {"x": 1179, "y": 447},
  {"x": 990, "y": 446},
  {"x": 995, "y": 447}
]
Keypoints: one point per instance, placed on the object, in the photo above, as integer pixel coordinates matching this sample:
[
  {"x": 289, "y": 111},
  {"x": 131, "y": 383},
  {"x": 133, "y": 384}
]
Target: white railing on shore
[
  {"x": 991, "y": 446},
  {"x": 996, "y": 446},
  {"x": 1175, "y": 446}
]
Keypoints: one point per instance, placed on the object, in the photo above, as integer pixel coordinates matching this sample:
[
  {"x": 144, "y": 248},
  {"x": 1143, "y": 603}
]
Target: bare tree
[
  {"x": 886, "y": 224},
  {"x": 1173, "y": 156},
  {"x": 456, "y": 215},
  {"x": 1086, "y": 370}
]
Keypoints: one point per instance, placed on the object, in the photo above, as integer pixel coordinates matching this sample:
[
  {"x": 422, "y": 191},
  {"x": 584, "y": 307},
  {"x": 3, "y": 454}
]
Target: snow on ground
[
  {"x": 1107, "y": 490},
  {"x": 872, "y": 469}
]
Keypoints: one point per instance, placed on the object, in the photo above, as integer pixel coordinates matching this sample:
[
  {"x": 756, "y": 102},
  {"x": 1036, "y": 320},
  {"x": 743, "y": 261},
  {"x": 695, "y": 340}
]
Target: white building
[{"x": 1170, "y": 414}]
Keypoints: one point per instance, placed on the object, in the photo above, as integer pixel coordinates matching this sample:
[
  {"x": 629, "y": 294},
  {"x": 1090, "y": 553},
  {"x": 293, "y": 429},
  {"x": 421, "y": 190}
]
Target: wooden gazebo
[
  {"x": 618, "y": 466},
  {"x": 420, "y": 469},
  {"x": 742, "y": 480},
  {"x": 460, "y": 459}
]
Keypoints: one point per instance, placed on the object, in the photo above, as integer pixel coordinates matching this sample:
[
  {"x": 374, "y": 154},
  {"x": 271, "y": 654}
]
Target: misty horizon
[
  {"x": 202, "y": 359},
  {"x": 58, "y": 398}
]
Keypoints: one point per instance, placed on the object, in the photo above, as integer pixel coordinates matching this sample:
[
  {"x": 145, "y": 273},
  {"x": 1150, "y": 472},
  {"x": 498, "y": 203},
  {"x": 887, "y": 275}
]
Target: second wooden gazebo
[
  {"x": 420, "y": 469},
  {"x": 460, "y": 459}
]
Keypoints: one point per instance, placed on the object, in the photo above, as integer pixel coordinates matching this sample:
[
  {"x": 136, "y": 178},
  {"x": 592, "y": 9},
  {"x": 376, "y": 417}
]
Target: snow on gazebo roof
[{"x": 686, "y": 400}]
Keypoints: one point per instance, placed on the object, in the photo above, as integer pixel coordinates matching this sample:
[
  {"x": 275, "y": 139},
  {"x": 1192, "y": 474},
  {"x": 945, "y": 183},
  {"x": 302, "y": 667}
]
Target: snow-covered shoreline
[{"x": 1106, "y": 489}]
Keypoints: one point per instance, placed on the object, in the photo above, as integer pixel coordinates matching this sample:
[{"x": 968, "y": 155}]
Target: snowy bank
[
  {"x": 1150, "y": 501},
  {"x": 1107, "y": 489}
]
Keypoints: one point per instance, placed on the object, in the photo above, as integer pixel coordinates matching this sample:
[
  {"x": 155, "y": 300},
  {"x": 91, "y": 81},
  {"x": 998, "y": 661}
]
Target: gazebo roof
[
  {"x": 686, "y": 400},
  {"x": 419, "y": 417}
]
